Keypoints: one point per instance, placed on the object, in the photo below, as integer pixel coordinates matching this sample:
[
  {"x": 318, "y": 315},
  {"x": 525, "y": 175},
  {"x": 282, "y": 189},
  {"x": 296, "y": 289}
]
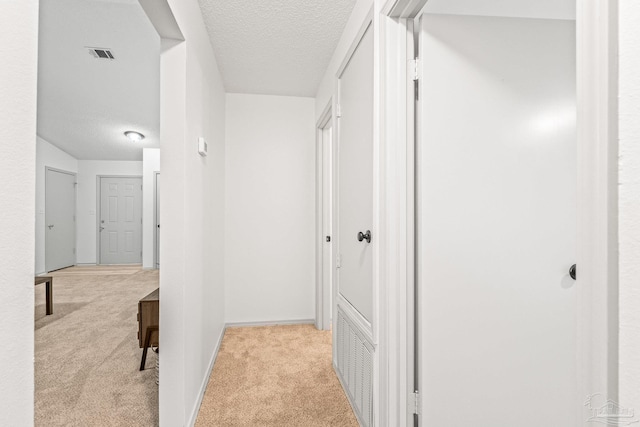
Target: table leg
[
  {"x": 147, "y": 341},
  {"x": 49, "y": 295}
]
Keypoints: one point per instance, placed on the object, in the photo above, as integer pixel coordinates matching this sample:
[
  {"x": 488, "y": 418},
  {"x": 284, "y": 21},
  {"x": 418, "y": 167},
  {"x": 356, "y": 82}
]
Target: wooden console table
[
  {"x": 148, "y": 323},
  {"x": 49, "y": 291}
]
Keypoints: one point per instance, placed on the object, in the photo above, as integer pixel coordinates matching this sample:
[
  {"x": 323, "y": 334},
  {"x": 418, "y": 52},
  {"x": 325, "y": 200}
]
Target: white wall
[
  {"x": 270, "y": 266},
  {"x": 629, "y": 205},
  {"x": 88, "y": 171},
  {"x": 150, "y": 165},
  {"x": 192, "y": 194},
  {"x": 18, "y": 85},
  {"x": 47, "y": 155}
]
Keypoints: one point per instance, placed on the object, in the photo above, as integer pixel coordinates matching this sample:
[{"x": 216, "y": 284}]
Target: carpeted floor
[
  {"x": 275, "y": 376},
  {"x": 86, "y": 353}
]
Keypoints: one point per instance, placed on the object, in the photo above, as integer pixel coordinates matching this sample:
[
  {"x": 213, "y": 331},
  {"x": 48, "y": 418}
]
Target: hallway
[{"x": 451, "y": 186}]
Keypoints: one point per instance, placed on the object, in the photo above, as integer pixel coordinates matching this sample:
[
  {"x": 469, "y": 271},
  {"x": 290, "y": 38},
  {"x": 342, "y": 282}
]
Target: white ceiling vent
[{"x": 101, "y": 53}]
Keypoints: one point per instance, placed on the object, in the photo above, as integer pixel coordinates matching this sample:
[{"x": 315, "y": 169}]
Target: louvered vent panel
[
  {"x": 340, "y": 345},
  {"x": 353, "y": 343},
  {"x": 355, "y": 366},
  {"x": 367, "y": 381},
  {"x": 101, "y": 53},
  {"x": 359, "y": 374}
]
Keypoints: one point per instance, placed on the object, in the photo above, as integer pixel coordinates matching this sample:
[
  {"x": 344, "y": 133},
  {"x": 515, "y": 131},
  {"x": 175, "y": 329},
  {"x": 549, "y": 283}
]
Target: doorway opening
[
  {"x": 98, "y": 117},
  {"x": 156, "y": 220},
  {"x": 588, "y": 299},
  {"x": 324, "y": 214}
]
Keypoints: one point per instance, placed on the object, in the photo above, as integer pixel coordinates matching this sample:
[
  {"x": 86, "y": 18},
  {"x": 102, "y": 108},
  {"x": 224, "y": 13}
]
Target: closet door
[{"x": 355, "y": 179}]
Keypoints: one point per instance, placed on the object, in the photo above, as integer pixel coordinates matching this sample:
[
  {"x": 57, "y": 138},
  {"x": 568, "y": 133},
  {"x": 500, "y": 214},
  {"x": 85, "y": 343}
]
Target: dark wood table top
[
  {"x": 42, "y": 279},
  {"x": 153, "y": 296}
]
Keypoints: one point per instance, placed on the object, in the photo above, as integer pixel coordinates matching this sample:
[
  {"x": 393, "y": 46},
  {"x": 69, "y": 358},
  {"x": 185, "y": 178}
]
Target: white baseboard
[
  {"x": 205, "y": 381},
  {"x": 271, "y": 323}
]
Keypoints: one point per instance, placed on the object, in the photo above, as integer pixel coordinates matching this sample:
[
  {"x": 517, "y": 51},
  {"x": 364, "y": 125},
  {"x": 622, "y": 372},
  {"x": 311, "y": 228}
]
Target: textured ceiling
[
  {"x": 85, "y": 104},
  {"x": 277, "y": 47}
]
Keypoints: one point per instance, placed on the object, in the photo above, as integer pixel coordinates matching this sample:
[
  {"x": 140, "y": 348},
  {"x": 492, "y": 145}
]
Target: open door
[
  {"x": 60, "y": 218},
  {"x": 497, "y": 218}
]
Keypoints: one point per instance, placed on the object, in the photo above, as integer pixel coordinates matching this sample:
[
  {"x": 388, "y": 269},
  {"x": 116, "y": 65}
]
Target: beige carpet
[
  {"x": 86, "y": 353},
  {"x": 276, "y": 376}
]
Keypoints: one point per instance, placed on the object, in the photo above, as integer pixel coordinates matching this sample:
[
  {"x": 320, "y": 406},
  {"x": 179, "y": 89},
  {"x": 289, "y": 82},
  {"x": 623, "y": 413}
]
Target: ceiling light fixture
[{"x": 134, "y": 136}]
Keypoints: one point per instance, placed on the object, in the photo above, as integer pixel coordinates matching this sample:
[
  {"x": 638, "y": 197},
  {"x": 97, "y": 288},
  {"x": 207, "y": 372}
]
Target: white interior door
[
  {"x": 120, "y": 220},
  {"x": 157, "y": 216},
  {"x": 355, "y": 182},
  {"x": 60, "y": 219},
  {"x": 354, "y": 351},
  {"x": 497, "y": 222},
  {"x": 327, "y": 206}
]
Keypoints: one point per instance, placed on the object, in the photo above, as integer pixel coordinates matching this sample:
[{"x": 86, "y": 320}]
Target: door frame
[
  {"x": 323, "y": 300},
  {"x": 98, "y": 211},
  {"x": 597, "y": 258},
  {"x": 75, "y": 213},
  {"x": 156, "y": 208}
]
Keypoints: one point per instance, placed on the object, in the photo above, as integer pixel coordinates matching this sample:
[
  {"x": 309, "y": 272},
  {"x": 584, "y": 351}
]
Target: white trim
[
  {"x": 156, "y": 249},
  {"x": 326, "y": 116},
  {"x": 597, "y": 257},
  {"x": 270, "y": 323},
  {"x": 322, "y": 320},
  {"x": 205, "y": 381},
  {"x": 368, "y": 21},
  {"x": 403, "y": 8},
  {"x": 397, "y": 116},
  {"x": 319, "y": 210},
  {"x": 358, "y": 320}
]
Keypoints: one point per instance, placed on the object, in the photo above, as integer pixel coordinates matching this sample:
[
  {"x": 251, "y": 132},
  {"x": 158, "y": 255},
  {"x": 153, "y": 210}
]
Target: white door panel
[
  {"x": 355, "y": 163},
  {"x": 497, "y": 232},
  {"x": 60, "y": 227},
  {"x": 120, "y": 220}
]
